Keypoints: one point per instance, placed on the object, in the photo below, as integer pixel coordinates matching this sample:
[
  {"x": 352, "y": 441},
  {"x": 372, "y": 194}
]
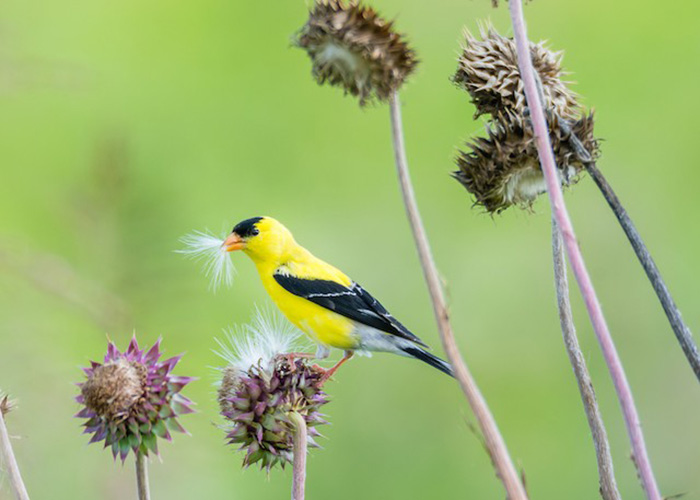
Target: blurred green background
[{"x": 125, "y": 125}]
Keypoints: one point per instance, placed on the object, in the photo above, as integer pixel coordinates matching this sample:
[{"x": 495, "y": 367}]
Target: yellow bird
[{"x": 321, "y": 300}]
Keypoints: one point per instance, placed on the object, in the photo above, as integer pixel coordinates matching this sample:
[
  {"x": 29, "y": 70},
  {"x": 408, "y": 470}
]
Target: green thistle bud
[
  {"x": 259, "y": 388},
  {"x": 352, "y": 47},
  {"x": 132, "y": 399}
]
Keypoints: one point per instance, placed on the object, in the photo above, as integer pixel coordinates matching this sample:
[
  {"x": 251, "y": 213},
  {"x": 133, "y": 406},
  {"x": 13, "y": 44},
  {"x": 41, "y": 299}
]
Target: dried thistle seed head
[
  {"x": 259, "y": 388},
  {"x": 132, "y": 399},
  {"x": 488, "y": 70},
  {"x": 503, "y": 169},
  {"x": 352, "y": 47},
  {"x": 6, "y": 404},
  {"x": 114, "y": 388}
]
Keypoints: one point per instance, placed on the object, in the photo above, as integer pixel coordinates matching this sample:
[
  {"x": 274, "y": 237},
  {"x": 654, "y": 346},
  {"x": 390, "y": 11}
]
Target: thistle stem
[
  {"x": 142, "y": 477},
  {"x": 8, "y": 457},
  {"x": 299, "y": 465},
  {"x": 606, "y": 473},
  {"x": 544, "y": 149},
  {"x": 492, "y": 437},
  {"x": 683, "y": 334}
]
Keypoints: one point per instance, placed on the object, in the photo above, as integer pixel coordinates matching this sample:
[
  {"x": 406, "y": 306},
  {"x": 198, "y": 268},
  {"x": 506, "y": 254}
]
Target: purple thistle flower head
[
  {"x": 132, "y": 398},
  {"x": 259, "y": 388}
]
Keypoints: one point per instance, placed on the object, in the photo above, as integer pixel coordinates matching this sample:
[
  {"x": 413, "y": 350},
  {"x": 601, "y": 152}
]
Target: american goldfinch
[{"x": 321, "y": 300}]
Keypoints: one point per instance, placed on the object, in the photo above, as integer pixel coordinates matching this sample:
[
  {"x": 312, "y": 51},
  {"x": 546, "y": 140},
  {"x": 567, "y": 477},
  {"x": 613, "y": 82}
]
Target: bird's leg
[
  {"x": 322, "y": 352},
  {"x": 329, "y": 373}
]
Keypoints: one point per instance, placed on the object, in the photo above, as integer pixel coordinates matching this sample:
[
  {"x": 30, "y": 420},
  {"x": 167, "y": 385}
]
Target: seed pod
[
  {"x": 503, "y": 169},
  {"x": 352, "y": 47},
  {"x": 488, "y": 71}
]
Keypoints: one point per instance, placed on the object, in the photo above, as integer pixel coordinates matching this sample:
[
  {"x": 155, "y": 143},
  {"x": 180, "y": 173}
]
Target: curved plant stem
[
  {"x": 683, "y": 334},
  {"x": 685, "y": 338},
  {"x": 492, "y": 437},
  {"x": 299, "y": 466},
  {"x": 8, "y": 457},
  {"x": 142, "y": 477},
  {"x": 544, "y": 149},
  {"x": 606, "y": 473}
]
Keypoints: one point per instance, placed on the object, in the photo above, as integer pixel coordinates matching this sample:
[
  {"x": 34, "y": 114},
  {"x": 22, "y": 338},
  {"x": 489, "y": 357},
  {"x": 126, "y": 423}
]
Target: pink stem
[
  {"x": 299, "y": 465},
  {"x": 144, "y": 492},
  {"x": 544, "y": 149},
  {"x": 8, "y": 457},
  {"x": 493, "y": 440}
]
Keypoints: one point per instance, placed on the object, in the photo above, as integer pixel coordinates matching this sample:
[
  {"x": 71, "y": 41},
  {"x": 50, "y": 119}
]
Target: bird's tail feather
[{"x": 426, "y": 357}]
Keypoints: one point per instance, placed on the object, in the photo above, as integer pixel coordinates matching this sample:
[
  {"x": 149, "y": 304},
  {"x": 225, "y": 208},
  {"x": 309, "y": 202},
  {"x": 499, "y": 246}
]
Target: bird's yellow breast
[
  {"x": 274, "y": 251},
  {"x": 321, "y": 324}
]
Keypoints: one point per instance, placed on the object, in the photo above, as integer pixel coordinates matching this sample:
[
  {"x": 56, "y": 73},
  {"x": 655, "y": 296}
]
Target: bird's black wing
[{"x": 354, "y": 303}]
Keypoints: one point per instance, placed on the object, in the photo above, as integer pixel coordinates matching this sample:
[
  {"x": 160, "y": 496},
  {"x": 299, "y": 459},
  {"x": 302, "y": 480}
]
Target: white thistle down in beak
[{"x": 216, "y": 261}]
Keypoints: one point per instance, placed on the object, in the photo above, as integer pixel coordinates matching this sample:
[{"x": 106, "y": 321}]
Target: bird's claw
[{"x": 291, "y": 356}]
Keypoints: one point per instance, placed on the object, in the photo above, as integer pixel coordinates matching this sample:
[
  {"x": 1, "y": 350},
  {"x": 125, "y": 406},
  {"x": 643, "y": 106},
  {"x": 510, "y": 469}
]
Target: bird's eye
[{"x": 255, "y": 231}]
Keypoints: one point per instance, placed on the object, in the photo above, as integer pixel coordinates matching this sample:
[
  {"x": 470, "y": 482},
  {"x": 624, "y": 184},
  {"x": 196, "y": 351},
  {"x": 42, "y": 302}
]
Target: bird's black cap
[{"x": 247, "y": 227}]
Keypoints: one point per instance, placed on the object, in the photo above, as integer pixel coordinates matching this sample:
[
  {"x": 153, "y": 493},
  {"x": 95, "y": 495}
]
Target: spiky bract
[
  {"x": 488, "y": 71},
  {"x": 132, "y": 398},
  {"x": 352, "y": 47},
  {"x": 503, "y": 168}
]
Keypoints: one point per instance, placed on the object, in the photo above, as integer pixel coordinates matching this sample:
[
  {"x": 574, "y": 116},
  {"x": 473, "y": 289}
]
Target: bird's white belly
[{"x": 373, "y": 340}]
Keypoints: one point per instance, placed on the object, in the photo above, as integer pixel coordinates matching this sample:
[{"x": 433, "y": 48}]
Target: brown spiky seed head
[
  {"x": 352, "y": 47},
  {"x": 503, "y": 169},
  {"x": 488, "y": 71},
  {"x": 6, "y": 404}
]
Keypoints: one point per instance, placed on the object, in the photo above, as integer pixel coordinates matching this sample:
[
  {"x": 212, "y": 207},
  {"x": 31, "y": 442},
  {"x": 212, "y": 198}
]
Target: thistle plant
[
  {"x": 264, "y": 387},
  {"x": 488, "y": 70},
  {"x": 502, "y": 170},
  {"x": 7, "y": 456},
  {"x": 350, "y": 65},
  {"x": 130, "y": 400}
]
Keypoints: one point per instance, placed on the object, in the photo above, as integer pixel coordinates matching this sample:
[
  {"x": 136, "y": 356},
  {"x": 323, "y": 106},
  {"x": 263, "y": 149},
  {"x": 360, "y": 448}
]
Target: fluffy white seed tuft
[
  {"x": 217, "y": 263},
  {"x": 259, "y": 342}
]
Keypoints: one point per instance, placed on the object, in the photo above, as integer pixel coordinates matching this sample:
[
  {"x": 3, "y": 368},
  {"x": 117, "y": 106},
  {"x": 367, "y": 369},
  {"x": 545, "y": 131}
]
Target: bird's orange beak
[{"x": 233, "y": 243}]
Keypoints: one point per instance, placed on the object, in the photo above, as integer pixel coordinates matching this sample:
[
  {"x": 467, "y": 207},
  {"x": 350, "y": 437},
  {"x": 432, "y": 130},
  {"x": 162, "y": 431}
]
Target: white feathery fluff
[
  {"x": 217, "y": 263},
  {"x": 259, "y": 342}
]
